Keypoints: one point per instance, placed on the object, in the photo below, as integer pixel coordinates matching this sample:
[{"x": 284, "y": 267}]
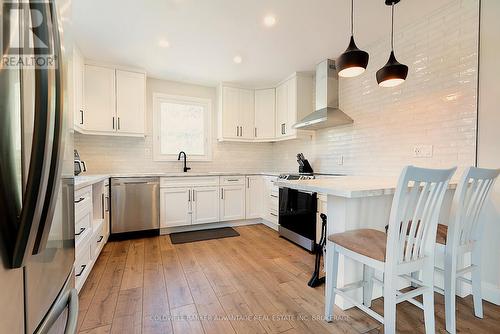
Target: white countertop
[
  {"x": 85, "y": 180},
  {"x": 348, "y": 186}
]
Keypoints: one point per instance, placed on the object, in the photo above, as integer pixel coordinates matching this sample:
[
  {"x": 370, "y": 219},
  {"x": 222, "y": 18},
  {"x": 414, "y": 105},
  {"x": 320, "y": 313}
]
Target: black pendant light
[
  {"x": 353, "y": 61},
  {"x": 393, "y": 73}
]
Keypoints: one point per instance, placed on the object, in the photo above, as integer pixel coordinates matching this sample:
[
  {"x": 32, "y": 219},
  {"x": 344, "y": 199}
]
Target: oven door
[{"x": 297, "y": 217}]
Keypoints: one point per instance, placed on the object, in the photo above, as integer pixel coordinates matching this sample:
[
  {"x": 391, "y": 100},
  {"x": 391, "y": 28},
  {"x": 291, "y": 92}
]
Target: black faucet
[{"x": 186, "y": 168}]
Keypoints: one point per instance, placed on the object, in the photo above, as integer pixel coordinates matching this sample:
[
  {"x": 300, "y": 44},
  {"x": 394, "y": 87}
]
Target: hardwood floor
[{"x": 254, "y": 283}]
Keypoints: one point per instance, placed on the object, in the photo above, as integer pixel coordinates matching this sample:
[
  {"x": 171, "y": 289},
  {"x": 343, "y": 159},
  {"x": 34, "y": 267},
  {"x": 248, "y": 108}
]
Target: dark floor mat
[{"x": 216, "y": 233}]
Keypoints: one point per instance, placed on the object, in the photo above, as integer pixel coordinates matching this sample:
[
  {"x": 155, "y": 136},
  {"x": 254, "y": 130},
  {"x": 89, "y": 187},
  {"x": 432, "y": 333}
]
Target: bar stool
[
  {"x": 463, "y": 235},
  {"x": 405, "y": 249}
]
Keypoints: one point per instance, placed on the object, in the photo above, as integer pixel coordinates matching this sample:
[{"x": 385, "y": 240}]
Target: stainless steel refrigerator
[{"x": 36, "y": 171}]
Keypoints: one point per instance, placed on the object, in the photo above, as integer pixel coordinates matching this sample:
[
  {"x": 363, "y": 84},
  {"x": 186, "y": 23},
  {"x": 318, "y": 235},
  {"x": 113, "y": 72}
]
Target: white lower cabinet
[
  {"x": 253, "y": 196},
  {"x": 232, "y": 204},
  {"x": 189, "y": 206},
  {"x": 205, "y": 205},
  {"x": 175, "y": 207}
]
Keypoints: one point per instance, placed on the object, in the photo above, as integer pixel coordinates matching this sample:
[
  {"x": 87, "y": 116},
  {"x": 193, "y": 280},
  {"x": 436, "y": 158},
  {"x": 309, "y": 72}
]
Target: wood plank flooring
[{"x": 254, "y": 283}]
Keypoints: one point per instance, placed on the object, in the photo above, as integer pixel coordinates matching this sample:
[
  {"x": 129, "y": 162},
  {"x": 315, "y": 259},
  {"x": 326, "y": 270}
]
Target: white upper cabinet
[
  {"x": 99, "y": 101},
  {"x": 247, "y": 113},
  {"x": 265, "y": 112},
  {"x": 130, "y": 102},
  {"x": 229, "y": 112},
  {"x": 108, "y": 101},
  {"x": 265, "y": 115},
  {"x": 77, "y": 76},
  {"x": 236, "y": 113},
  {"x": 294, "y": 100}
]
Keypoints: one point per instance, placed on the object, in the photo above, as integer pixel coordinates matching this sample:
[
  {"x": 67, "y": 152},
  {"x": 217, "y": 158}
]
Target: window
[{"x": 181, "y": 123}]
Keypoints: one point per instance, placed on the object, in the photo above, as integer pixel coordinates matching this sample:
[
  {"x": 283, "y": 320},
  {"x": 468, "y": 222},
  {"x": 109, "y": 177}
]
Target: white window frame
[{"x": 158, "y": 98}]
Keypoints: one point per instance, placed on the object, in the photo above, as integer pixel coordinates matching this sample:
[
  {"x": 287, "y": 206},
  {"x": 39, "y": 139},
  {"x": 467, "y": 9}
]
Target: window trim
[{"x": 158, "y": 98}]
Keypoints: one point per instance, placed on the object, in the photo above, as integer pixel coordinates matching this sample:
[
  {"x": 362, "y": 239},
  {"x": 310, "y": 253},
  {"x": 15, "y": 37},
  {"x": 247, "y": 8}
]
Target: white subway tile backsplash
[{"x": 436, "y": 105}]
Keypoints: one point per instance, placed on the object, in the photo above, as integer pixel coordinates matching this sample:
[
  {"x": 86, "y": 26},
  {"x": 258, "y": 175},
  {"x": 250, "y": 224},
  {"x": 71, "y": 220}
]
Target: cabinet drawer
[
  {"x": 83, "y": 201},
  {"x": 82, "y": 264},
  {"x": 188, "y": 181},
  {"x": 232, "y": 180},
  {"x": 98, "y": 240},
  {"x": 83, "y": 227}
]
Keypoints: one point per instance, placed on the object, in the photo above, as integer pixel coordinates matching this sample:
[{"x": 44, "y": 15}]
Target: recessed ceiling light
[
  {"x": 237, "y": 59},
  {"x": 269, "y": 20},
  {"x": 163, "y": 43}
]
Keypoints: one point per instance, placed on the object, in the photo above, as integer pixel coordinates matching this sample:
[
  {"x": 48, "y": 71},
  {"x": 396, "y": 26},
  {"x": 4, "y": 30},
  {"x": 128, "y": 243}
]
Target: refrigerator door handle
[
  {"x": 54, "y": 179},
  {"x": 27, "y": 223},
  {"x": 68, "y": 300}
]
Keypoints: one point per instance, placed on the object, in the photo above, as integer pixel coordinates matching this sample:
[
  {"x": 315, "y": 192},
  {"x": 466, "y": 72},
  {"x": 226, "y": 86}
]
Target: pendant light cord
[
  {"x": 392, "y": 27},
  {"x": 352, "y": 17}
]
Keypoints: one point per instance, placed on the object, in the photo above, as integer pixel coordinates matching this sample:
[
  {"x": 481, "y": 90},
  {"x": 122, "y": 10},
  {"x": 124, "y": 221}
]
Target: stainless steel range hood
[{"x": 327, "y": 112}]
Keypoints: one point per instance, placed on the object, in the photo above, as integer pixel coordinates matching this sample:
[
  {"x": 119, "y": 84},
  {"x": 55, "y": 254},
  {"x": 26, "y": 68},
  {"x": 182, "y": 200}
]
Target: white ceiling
[{"x": 205, "y": 35}]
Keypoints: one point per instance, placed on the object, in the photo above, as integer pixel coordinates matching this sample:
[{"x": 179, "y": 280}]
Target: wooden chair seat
[
  {"x": 442, "y": 232},
  {"x": 367, "y": 242}
]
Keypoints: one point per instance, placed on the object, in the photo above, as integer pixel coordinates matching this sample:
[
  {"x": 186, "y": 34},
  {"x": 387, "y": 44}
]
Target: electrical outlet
[
  {"x": 422, "y": 151},
  {"x": 340, "y": 161}
]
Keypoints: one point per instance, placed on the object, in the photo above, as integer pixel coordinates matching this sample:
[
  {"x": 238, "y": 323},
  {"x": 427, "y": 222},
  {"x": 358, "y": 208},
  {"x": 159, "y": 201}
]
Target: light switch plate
[{"x": 422, "y": 151}]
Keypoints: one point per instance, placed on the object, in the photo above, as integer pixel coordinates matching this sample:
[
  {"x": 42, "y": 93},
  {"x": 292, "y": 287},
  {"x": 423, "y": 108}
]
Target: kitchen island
[{"x": 355, "y": 202}]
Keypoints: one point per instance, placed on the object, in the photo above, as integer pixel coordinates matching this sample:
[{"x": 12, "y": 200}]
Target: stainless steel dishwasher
[{"x": 135, "y": 204}]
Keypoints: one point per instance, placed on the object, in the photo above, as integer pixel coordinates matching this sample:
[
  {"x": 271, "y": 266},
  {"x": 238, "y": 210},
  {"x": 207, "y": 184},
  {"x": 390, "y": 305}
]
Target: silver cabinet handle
[
  {"x": 274, "y": 196},
  {"x": 222, "y": 193},
  {"x": 194, "y": 197},
  {"x": 255, "y": 132},
  {"x": 189, "y": 195},
  {"x": 232, "y": 180},
  {"x": 102, "y": 205},
  {"x": 81, "y": 112},
  {"x": 118, "y": 123},
  {"x": 248, "y": 182},
  {"x": 113, "y": 122},
  {"x": 237, "y": 131},
  {"x": 273, "y": 214},
  {"x": 100, "y": 239}
]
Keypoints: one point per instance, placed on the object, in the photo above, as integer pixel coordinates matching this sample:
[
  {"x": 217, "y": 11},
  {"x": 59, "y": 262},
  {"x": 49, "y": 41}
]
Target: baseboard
[
  {"x": 189, "y": 228},
  {"x": 269, "y": 224},
  {"x": 491, "y": 293}
]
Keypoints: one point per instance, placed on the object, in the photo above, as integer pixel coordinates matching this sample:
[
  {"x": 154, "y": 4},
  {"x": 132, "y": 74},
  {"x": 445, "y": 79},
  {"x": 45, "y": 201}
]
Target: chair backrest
[
  {"x": 472, "y": 192},
  {"x": 415, "y": 211}
]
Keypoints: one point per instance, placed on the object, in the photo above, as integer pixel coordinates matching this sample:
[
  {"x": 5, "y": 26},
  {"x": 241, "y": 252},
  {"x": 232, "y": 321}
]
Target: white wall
[
  {"x": 105, "y": 154},
  {"x": 489, "y": 141},
  {"x": 436, "y": 105}
]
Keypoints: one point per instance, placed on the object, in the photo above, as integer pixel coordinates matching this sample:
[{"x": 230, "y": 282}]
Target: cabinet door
[
  {"x": 130, "y": 102},
  {"x": 230, "y": 111},
  {"x": 175, "y": 207},
  {"x": 246, "y": 114},
  {"x": 254, "y": 195},
  {"x": 99, "y": 98},
  {"x": 205, "y": 204},
  {"x": 291, "y": 111},
  {"x": 265, "y": 113},
  {"x": 281, "y": 109},
  {"x": 232, "y": 204},
  {"x": 78, "y": 69}
]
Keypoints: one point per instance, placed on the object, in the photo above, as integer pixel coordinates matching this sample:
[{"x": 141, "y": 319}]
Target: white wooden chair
[
  {"x": 405, "y": 249},
  {"x": 463, "y": 235}
]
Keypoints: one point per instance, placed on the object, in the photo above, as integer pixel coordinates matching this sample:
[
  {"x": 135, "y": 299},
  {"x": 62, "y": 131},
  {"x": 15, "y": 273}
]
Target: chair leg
[
  {"x": 331, "y": 266},
  {"x": 428, "y": 297},
  {"x": 367, "y": 285},
  {"x": 415, "y": 275},
  {"x": 476, "y": 282},
  {"x": 450, "y": 286},
  {"x": 389, "y": 305}
]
